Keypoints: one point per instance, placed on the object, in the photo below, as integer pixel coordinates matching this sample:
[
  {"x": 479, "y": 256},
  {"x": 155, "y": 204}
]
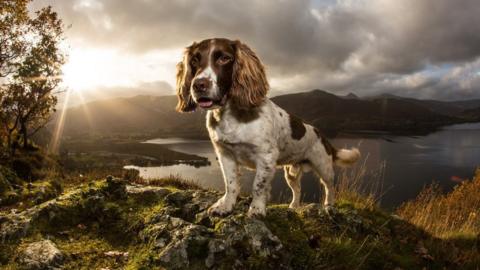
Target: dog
[{"x": 247, "y": 129}]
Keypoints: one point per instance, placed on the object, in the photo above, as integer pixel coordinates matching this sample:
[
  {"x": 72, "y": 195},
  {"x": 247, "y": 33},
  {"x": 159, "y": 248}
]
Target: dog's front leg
[
  {"x": 261, "y": 188},
  {"x": 232, "y": 188}
]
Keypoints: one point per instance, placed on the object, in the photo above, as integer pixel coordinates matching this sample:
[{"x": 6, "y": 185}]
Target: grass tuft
[
  {"x": 456, "y": 213},
  {"x": 360, "y": 186},
  {"x": 174, "y": 181}
]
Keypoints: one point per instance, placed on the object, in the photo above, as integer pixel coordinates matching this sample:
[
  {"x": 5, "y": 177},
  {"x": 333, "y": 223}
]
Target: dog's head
[{"x": 218, "y": 70}]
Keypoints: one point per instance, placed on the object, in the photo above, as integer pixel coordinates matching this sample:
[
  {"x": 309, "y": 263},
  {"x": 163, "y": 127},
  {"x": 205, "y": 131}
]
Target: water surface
[{"x": 409, "y": 163}]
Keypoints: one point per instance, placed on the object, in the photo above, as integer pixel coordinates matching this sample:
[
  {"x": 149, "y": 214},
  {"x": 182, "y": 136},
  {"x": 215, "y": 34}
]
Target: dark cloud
[{"x": 363, "y": 46}]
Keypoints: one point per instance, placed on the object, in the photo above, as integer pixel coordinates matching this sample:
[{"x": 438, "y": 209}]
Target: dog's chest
[
  {"x": 235, "y": 137},
  {"x": 226, "y": 129}
]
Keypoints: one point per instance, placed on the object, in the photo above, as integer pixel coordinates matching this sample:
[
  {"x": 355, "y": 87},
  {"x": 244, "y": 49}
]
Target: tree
[
  {"x": 39, "y": 74},
  {"x": 30, "y": 70},
  {"x": 13, "y": 28}
]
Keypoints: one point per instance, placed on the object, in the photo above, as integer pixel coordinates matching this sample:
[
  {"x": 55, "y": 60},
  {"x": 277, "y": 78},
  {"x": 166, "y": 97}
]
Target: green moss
[
  {"x": 142, "y": 258},
  {"x": 288, "y": 226},
  {"x": 87, "y": 251},
  {"x": 100, "y": 216},
  {"x": 7, "y": 179},
  {"x": 38, "y": 192},
  {"x": 92, "y": 221},
  {"x": 14, "y": 190}
]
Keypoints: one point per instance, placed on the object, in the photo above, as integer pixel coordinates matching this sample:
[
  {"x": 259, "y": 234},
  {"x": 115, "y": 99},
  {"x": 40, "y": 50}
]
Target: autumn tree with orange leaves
[{"x": 30, "y": 70}]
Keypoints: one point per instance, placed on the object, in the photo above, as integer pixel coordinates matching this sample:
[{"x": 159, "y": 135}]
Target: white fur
[
  {"x": 347, "y": 157},
  {"x": 263, "y": 144},
  {"x": 209, "y": 74}
]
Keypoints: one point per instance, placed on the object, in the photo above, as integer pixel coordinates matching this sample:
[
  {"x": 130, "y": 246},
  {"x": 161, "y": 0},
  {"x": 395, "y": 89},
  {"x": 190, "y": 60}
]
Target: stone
[
  {"x": 138, "y": 190},
  {"x": 41, "y": 255}
]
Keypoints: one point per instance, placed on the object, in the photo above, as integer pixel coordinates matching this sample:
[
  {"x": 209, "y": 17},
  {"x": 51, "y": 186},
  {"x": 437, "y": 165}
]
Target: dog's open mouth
[{"x": 205, "y": 102}]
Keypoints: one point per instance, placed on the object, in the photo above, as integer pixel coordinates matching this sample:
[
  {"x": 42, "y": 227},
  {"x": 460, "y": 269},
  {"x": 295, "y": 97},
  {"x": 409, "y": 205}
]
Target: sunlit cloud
[
  {"x": 90, "y": 68},
  {"x": 361, "y": 46}
]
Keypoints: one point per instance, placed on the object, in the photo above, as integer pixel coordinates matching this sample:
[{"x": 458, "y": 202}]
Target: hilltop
[{"x": 113, "y": 224}]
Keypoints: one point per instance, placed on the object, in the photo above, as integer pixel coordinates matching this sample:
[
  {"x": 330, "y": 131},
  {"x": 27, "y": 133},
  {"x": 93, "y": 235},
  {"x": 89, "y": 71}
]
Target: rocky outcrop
[
  {"x": 185, "y": 237},
  {"x": 115, "y": 224}
]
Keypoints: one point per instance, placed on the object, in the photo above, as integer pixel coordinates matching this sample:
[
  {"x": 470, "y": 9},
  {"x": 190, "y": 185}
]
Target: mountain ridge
[{"x": 156, "y": 115}]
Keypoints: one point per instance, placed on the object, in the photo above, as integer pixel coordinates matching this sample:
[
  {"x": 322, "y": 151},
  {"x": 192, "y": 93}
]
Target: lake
[{"x": 403, "y": 165}]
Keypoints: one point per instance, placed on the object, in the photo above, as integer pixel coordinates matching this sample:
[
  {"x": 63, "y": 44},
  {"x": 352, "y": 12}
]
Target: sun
[
  {"x": 88, "y": 69},
  {"x": 93, "y": 68}
]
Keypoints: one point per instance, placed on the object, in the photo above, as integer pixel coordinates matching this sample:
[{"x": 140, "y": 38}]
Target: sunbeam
[
  {"x": 84, "y": 107},
  {"x": 57, "y": 134}
]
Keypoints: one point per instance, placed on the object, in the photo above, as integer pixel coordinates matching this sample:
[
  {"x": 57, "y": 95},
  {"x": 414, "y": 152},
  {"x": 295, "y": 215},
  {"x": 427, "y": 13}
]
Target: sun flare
[
  {"x": 87, "y": 68},
  {"x": 92, "y": 68}
]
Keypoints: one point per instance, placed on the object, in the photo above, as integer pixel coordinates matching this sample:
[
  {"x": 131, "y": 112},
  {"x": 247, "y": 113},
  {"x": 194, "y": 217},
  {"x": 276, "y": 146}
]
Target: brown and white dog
[{"x": 247, "y": 129}]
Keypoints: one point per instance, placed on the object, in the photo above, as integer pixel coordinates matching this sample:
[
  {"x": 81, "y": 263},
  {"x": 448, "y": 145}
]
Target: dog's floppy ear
[
  {"x": 184, "y": 81},
  {"x": 249, "y": 85}
]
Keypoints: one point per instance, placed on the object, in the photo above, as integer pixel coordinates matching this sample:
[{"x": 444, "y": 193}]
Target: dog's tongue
[{"x": 205, "y": 104}]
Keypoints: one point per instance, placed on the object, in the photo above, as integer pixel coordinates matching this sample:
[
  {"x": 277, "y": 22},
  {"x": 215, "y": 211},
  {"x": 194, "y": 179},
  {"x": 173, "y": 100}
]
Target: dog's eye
[
  {"x": 224, "y": 59},
  {"x": 194, "y": 62}
]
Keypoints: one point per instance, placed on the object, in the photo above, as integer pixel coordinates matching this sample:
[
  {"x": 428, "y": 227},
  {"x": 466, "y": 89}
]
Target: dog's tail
[{"x": 346, "y": 157}]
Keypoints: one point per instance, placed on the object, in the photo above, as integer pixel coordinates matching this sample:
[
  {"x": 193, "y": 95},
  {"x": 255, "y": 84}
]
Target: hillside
[
  {"x": 114, "y": 224},
  {"x": 135, "y": 115},
  {"x": 156, "y": 116},
  {"x": 442, "y": 107},
  {"x": 330, "y": 112}
]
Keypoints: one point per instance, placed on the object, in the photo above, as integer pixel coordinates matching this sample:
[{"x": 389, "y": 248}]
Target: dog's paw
[
  {"x": 220, "y": 208},
  {"x": 256, "y": 212}
]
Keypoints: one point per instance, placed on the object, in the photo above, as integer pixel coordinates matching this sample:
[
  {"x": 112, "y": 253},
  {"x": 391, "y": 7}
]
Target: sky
[{"x": 427, "y": 49}]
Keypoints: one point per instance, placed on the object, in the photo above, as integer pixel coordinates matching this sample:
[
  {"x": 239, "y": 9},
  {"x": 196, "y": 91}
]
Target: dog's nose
[{"x": 201, "y": 84}]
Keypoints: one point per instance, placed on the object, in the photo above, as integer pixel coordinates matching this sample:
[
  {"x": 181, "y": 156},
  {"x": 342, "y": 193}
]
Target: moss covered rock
[
  {"x": 41, "y": 255},
  {"x": 168, "y": 228}
]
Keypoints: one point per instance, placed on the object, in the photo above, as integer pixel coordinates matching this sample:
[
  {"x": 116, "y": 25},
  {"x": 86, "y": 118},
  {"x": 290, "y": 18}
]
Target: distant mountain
[
  {"x": 135, "y": 115},
  {"x": 442, "y": 107},
  {"x": 352, "y": 96},
  {"x": 155, "y": 115},
  {"x": 387, "y": 113}
]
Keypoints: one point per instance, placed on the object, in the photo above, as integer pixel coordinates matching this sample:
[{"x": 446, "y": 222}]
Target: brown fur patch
[
  {"x": 250, "y": 85},
  {"x": 184, "y": 80},
  {"x": 297, "y": 127},
  {"x": 331, "y": 151},
  {"x": 245, "y": 115}
]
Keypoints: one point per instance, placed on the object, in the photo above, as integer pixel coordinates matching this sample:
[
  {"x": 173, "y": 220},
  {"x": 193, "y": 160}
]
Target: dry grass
[
  {"x": 361, "y": 186},
  {"x": 456, "y": 213},
  {"x": 172, "y": 181}
]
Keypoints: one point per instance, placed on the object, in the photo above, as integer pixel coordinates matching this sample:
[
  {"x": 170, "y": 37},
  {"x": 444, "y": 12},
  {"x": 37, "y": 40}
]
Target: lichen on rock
[{"x": 41, "y": 255}]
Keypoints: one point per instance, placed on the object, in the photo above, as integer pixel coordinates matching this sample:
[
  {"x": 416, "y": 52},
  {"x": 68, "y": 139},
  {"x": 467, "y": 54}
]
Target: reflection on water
[{"x": 446, "y": 157}]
